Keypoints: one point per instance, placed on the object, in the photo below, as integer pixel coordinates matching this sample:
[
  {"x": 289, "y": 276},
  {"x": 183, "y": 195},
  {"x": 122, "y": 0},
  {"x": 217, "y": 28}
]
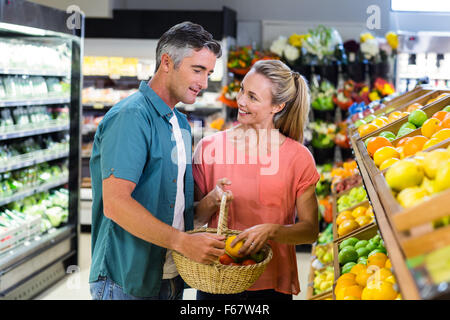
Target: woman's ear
[{"x": 278, "y": 108}]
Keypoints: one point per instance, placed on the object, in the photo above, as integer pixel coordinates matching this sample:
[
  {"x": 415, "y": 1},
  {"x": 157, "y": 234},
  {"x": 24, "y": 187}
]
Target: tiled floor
[{"x": 76, "y": 287}]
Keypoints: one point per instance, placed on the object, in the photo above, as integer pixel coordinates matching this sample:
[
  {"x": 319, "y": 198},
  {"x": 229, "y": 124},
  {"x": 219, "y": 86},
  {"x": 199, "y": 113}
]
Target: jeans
[
  {"x": 269, "y": 294},
  {"x": 105, "y": 289}
]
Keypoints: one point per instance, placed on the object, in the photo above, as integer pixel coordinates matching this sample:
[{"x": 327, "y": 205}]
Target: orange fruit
[
  {"x": 363, "y": 220},
  {"x": 347, "y": 226},
  {"x": 380, "y": 275},
  {"x": 383, "y": 154},
  {"x": 367, "y": 294},
  {"x": 344, "y": 215},
  {"x": 440, "y": 115},
  {"x": 445, "y": 123},
  {"x": 357, "y": 269},
  {"x": 429, "y": 127},
  {"x": 414, "y": 145},
  {"x": 377, "y": 143},
  {"x": 363, "y": 276},
  {"x": 348, "y": 278},
  {"x": 394, "y": 115},
  {"x": 353, "y": 291},
  {"x": 365, "y": 129},
  {"x": 402, "y": 141},
  {"x": 377, "y": 259},
  {"x": 413, "y": 107},
  {"x": 382, "y": 290},
  {"x": 359, "y": 211},
  {"x": 340, "y": 287}
]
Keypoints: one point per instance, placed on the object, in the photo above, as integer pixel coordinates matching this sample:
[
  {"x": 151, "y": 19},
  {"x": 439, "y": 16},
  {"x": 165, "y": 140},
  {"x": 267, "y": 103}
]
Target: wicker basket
[{"x": 218, "y": 278}]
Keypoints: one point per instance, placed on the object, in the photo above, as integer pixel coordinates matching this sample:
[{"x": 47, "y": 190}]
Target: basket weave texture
[{"x": 217, "y": 278}]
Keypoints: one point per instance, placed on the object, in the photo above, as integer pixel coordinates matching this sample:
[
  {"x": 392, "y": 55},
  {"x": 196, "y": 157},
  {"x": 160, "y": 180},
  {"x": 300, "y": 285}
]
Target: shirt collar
[{"x": 161, "y": 107}]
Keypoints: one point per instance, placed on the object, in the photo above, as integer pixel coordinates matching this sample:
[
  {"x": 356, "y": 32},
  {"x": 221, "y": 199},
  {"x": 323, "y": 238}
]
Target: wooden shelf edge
[{"x": 408, "y": 287}]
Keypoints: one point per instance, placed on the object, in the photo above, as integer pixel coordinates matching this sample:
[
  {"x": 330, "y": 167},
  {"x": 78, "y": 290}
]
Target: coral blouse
[{"x": 264, "y": 190}]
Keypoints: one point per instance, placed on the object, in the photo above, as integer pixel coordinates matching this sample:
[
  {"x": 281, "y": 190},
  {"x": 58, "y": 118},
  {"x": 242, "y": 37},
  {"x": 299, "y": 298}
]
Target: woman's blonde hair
[{"x": 291, "y": 88}]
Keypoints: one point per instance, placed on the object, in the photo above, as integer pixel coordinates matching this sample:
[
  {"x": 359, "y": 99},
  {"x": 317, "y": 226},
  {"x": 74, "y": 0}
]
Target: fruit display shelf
[
  {"x": 325, "y": 295},
  {"x": 364, "y": 203},
  {"x": 37, "y": 72},
  {"x": 396, "y": 103},
  {"x": 407, "y": 285}
]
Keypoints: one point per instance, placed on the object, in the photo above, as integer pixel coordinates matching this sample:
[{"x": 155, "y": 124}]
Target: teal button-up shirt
[{"x": 134, "y": 141}]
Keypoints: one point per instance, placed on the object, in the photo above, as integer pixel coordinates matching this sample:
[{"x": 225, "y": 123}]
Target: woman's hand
[
  {"x": 215, "y": 195},
  {"x": 255, "y": 237}
]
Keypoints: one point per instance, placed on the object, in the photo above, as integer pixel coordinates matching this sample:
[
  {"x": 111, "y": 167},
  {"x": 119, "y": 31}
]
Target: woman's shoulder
[{"x": 298, "y": 149}]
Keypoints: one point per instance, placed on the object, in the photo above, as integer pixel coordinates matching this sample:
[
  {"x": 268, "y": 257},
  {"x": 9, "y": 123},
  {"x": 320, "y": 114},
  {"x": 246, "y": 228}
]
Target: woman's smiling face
[{"x": 255, "y": 101}]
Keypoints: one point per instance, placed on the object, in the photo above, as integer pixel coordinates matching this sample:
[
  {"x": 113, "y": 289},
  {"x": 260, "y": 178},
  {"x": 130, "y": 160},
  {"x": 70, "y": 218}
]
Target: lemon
[
  {"x": 233, "y": 251},
  {"x": 388, "y": 162},
  {"x": 429, "y": 186},
  {"x": 409, "y": 197},
  {"x": 442, "y": 134},
  {"x": 442, "y": 181},
  {"x": 430, "y": 143},
  {"x": 404, "y": 174},
  {"x": 385, "y": 153},
  {"x": 432, "y": 161}
]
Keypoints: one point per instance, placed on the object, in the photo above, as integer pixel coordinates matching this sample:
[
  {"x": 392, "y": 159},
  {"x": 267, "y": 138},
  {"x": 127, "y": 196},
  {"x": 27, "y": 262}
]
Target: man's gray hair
[{"x": 181, "y": 39}]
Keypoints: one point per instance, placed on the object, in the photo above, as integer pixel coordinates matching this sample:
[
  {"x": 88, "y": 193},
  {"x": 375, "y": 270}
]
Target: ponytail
[
  {"x": 291, "y": 88},
  {"x": 293, "y": 119}
]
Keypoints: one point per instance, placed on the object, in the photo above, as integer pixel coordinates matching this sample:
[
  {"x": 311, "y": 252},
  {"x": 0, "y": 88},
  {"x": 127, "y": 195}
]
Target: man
[{"x": 142, "y": 183}]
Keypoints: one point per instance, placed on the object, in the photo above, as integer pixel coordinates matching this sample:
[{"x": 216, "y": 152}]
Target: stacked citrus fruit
[
  {"x": 384, "y": 119},
  {"x": 369, "y": 278},
  {"x": 347, "y": 221},
  {"x": 323, "y": 280},
  {"x": 353, "y": 197},
  {"x": 415, "y": 179},
  {"x": 433, "y": 131}
]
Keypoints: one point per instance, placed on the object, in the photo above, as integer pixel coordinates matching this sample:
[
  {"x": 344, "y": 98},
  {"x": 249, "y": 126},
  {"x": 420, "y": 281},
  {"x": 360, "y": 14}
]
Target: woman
[{"x": 268, "y": 174}]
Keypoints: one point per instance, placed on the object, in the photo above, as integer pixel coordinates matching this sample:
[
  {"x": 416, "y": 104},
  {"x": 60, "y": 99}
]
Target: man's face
[{"x": 191, "y": 76}]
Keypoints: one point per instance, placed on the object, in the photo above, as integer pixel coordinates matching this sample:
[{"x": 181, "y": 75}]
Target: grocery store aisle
[{"x": 75, "y": 286}]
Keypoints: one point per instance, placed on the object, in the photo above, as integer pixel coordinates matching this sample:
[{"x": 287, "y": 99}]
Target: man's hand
[{"x": 202, "y": 247}]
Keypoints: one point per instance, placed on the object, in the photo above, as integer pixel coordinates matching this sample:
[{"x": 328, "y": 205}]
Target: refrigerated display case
[
  {"x": 423, "y": 57},
  {"x": 40, "y": 88}
]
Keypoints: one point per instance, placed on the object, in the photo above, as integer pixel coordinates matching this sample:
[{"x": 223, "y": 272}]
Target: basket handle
[{"x": 222, "y": 225}]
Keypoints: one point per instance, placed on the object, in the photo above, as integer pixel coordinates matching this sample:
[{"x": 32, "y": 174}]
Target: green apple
[{"x": 388, "y": 135}]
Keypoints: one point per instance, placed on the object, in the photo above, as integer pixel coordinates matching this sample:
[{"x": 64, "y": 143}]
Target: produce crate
[
  {"x": 310, "y": 290},
  {"x": 364, "y": 234},
  {"x": 397, "y": 102},
  {"x": 395, "y": 125},
  {"x": 405, "y": 99}
]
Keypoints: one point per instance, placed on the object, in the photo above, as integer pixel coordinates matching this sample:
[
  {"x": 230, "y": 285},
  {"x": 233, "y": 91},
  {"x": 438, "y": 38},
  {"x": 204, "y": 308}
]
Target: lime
[
  {"x": 359, "y": 123},
  {"x": 362, "y": 260},
  {"x": 381, "y": 248},
  {"x": 388, "y": 135},
  {"x": 347, "y": 254},
  {"x": 447, "y": 108},
  {"x": 347, "y": 267},
  {"x": 417, "y": 117},
  {"x": 372, "y": 246},
  {"x": 348, "y": 242},
  {"x": 408, "y": 125},
  {"x": 362, "y": 252},
  {"x": 361, "y": 243},
  {"x": 376, "y": 250}
]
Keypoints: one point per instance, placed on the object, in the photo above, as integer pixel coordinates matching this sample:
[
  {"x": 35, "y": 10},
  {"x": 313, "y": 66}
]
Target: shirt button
[{"x": 174, "y": 180}]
